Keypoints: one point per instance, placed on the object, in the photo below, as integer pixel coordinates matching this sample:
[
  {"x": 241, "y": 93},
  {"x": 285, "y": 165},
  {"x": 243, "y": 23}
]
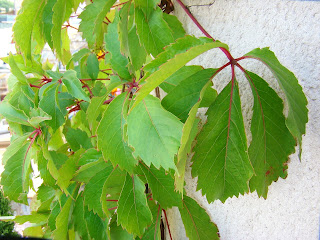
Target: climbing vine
[{"x": 111, "y": 155}]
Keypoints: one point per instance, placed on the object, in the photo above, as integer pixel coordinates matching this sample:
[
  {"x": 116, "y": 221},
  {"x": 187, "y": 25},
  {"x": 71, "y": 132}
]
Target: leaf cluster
[{"x": 111, "y": 155}]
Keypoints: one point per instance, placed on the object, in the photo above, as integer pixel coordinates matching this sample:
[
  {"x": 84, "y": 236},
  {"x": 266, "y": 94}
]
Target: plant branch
[
  {"x": 196, "y": 22},
  {"x": 165, "y": 216},
  {"x": 120, "y": 4}
]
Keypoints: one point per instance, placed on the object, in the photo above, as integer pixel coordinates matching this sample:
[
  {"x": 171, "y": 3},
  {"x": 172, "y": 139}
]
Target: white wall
[{"x": 292, "y": 30}]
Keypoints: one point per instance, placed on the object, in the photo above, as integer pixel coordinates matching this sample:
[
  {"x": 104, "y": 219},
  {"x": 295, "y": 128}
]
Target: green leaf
[
  {"x": 61, "y": 12},
  {"x": 66, "y": 53},
  {"x": 50, "y": 103},
  {"x": 175, "y": 25},
  {"x": 37, "y": 116},
  {"x": 22, "y": 98},
  {"x": 77, "y": 139},
  {"x": 174, "y": 58},
  {"x": 221, "y": 151},
  {"x": 55, "y": 210},
  {"x": 45, "y": 194},
  {"x": 148, "y": 5},
  {"x": 94, "y": 187},
  {"x": 298, "y": 112},
  {"x": 197, "y": 222},
  {"x": 12, "y": 114},
  {"x": 80, "y": 224},
  {"x": 44, "y": 171},
  {"x": 35, "y": 231},
  {"x": 47, "y": 21},
  {"x": 35, "y": 217},
  {"x": 137, "y": 52},
  {"x": 118, "y": 233},
  {"x": 123, "y": 28},
  {"x": 133, "y": 211},
  {"x": 87, "y": 171},
  {"x": 110, "y": 133},
  {"x": 92, "y": 19},
  {"x": 27, "y": 18},
  {"x": 61, "y": 231},
  {"x": 111, "y": 190},
  {"x": 35, "y": 67},
  {"x": 17, "y": 162},
  {"x": 89, "y": 156},
  {"x": 153, "y": 31},
  {"x": 189, "y": 132},
  {"x": 96, "y": 226},
  {"x": 118, "y": 61},
  {"x": 154, "y": 133},
  {"x": 209, "y": 96},
  {"x": 15, "y": 70},
  {"x": 272, "y": 142},
  {"x": 162, "y": 186},
  {"x": 74, "y": 86},
  {"x": 95, "y": 107},
  {"x": 153, "y": 232},
  {"x": 93, "y": 66},
  {"x": 66, "y": 171},
  {"x": 181, "y": 99},
  {"x": 183, "y": 73}
]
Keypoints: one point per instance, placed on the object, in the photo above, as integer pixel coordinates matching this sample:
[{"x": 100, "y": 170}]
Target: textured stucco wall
[{"x": 292, "y": 30}]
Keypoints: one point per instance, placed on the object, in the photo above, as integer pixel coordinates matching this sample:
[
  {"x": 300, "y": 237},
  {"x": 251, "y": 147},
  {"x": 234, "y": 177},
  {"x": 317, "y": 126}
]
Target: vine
[{"x": 111, "y": 156}]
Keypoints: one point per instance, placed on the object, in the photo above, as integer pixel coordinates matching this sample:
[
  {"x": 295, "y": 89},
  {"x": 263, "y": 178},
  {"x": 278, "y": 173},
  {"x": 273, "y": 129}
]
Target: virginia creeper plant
[{"x": 112, "y": 156}]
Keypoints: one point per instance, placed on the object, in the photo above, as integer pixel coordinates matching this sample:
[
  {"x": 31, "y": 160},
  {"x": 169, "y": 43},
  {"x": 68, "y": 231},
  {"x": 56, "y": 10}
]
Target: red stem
[
  {"x": 165, "y": 216},
  {"x": 241, "y": 58},
  {"x": 107, "y": 19},
  {"x": 108, "y": 101},
  {"x": 36, "y": 133},
  {"x": 230, "y": 105},
  {"x": 36, "y": 86},
  {"x": 110, "y": 209},
  {"x": 220, "y": 69},
  {"x": 196, "y": 22},
  {"x": 87, "y": 87},
  {"x": 112, "y": 200}
]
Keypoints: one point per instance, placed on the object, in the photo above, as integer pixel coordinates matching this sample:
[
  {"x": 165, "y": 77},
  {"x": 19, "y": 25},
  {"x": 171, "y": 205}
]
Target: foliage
[
  {"x": 111, "y": 155},
  {"x": 6, "y": 228},
  {"x": 6, "y": 4}
]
